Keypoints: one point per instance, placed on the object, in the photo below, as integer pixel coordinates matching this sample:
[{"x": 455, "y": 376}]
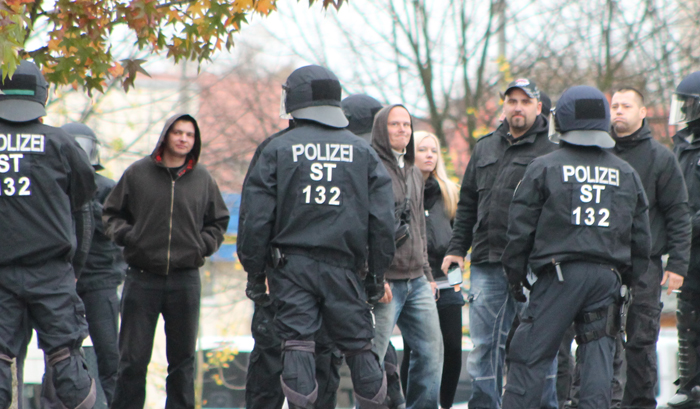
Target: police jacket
[
  {"x": 661, "y": 176},
  {"x": 438, "y": 226},
  {"x": 45, "y": 178},
  {"x": 105, "y": 265},
  {"x": 321, "y": 192},
  {"x": 253, "y": 161},
  {"x": 411, "y": 259},
  {"x": 688, "y": 155},
  {"x": 166, "y": 219},
  {"x": 578, "y": 203},
  {"x": 494, "y": 170}
]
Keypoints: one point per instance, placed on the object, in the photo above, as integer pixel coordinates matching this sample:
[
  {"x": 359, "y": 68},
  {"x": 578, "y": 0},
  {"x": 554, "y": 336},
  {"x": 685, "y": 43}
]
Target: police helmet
[
  {"x": 685, "y": 102},
  {"x": 87, "y": 140},
  {"x": 582, "y": 117},
  {"x": 360, "y": 110},
  {"x": 313, "y": 93},
  {"x": 23, "y": 97}
]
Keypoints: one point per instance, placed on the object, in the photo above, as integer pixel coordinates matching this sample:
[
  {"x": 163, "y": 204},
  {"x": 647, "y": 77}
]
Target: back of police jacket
[
  {"x": 166, "y": 221},
  {"x": 669, "y": 218},
  {"x": 579, "y": 203},
  {"x": 688, "y": 154},
  {"x": 45, "y": 177},
  {"x": 321, "y": 192},
  {"x": 494, "y": 170}
]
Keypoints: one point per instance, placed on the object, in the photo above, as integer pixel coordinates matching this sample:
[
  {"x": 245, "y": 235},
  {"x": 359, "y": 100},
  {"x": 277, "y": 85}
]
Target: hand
[
  {"x": 256, "y": 289},
  {"x": 516, "y": 290},
  {"x": 448, "y": 260},
  {"x": 373, "y": 288},
  {"x": 675, "y": 281},
  {"x": 387, "y": 294},
  {"x": 434, "y": 289}
]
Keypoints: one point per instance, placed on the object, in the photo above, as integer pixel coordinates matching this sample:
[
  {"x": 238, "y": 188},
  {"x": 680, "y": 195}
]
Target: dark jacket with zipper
[
  {"x": 411, "y": 259},
  {"x": 688, "y": 155},
  {"x": 105, "y": 267},
  {"x": 494, "y": 171},
  {"x": 166, "y": 221},
  {"x": 438, "y": 226},
  {"x": 669, "y": 218}
]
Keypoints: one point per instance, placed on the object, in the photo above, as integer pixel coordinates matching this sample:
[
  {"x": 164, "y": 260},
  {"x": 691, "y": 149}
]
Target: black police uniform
[
  {"x": 577, "y": 218},
  {"x": 688, "y": 313},
  {"x": 263, "y": 389},
  {"x": 45, "y": 177},
  {"x": 669, "y": 223},
  {"x": 321, "y": 198}
]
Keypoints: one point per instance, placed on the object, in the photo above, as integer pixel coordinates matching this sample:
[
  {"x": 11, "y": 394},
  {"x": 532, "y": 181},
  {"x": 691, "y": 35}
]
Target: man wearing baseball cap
[{"x": 494, "y": 170}]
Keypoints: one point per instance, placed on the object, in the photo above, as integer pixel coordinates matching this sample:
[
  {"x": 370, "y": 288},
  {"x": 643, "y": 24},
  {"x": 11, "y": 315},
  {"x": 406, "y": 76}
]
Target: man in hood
[
  {"x": 168, "y": 214},
  {"x": 494, "y": 170},
  {"x": 409, "y": 299}
]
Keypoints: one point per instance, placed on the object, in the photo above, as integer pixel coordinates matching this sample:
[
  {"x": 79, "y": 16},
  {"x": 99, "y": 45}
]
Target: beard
[{"x": 518, "y": 123}]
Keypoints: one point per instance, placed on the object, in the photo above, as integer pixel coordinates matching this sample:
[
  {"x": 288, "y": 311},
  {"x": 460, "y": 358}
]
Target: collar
[{"x": 399, "y": 157}]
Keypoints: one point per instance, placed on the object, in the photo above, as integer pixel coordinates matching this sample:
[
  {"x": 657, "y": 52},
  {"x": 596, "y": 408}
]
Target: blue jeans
[
  {"x": 491, "y": 313},
  {"x": 413, "y": 309}
]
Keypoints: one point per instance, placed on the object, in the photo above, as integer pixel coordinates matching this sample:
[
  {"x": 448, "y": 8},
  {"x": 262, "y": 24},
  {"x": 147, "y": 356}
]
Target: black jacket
[
  {"x": 688, "y": 155},
  {"x": 578, "y": 203},
  {"x": 46, "y": 177},
  {"x": 669, "y": 218},
  {"x": 438, "y": 226},
  {"x": 411, "y": 259},
  {"x": 321, "y": 192},
  {"x": 493, "y": 172},
  {"x": 105, "y": 266},
  {"x": 166, "y": 222}
]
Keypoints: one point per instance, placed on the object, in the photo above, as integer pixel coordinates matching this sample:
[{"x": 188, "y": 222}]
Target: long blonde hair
[{"x": 448, "y": 188}]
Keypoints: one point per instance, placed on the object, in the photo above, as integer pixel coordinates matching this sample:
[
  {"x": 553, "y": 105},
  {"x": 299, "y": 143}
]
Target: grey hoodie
[{"x": 411, "y": 259}]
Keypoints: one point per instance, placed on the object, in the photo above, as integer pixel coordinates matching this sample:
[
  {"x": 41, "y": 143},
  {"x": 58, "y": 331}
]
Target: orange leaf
[{"x": 265, "y": 6}]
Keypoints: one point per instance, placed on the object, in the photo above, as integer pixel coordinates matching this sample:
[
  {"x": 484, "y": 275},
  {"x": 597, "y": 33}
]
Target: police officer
[
  {"x": 322, "y": 199},
  {"x": 685, "y": 110},
  {"x": 45, "y": 178},
  {"x": 103, "y": 272},
  {"x": 579, "y": 219},
  {"x": 263, "y": 389}
]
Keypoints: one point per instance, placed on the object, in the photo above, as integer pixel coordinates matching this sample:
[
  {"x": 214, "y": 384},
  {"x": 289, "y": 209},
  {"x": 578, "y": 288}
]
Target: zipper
[{"x": 170, "y": 232}]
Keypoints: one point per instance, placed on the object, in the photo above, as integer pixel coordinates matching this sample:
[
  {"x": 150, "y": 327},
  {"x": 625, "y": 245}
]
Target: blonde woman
[{"x": 440, "y": 202}]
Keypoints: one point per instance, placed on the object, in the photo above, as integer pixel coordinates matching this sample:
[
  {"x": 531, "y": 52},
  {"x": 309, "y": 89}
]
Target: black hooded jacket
[
  {"x": 411, "y": 259},
  {"x": 320, "y": 192},
  {"x": 688, "y": 154},
  {"x": 669, "y": 218},
  {"x": 496, "y": 167},
  {"x": 165, "y": 221},
  {"x": 46, "y": 178}
]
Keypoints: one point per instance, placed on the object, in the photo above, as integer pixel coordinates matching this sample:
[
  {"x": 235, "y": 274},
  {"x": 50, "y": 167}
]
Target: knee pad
[
  {"x": 688, "y": 327},
  {"x": 74, "y": 387},
  {"x": 299, "y": 371}
]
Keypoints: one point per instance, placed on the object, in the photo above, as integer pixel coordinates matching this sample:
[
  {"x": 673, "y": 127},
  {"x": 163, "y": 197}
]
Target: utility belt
[
  {"x": 332, "y": 257},
  {"x": 615, "y": 316}
]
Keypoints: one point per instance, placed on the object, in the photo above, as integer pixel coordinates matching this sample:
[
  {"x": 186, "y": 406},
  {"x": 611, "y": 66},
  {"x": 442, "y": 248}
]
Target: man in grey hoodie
[{"x": 410, "y": 287}]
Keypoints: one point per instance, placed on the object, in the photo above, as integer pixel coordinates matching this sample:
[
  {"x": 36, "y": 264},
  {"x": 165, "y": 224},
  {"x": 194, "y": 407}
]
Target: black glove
[
  {"x": 256, "y": 290},
  {"x": 374, "y": 288},
  {"x": 516, "y": 290}
]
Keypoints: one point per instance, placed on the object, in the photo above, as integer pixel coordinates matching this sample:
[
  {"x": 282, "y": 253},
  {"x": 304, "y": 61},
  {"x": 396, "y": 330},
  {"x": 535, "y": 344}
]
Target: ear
[
  {"x": 539, "y": 107},
  {"x": 643, "y": 112}
]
